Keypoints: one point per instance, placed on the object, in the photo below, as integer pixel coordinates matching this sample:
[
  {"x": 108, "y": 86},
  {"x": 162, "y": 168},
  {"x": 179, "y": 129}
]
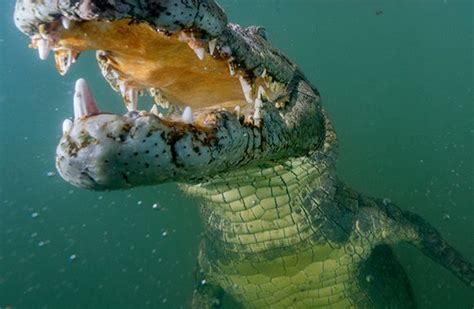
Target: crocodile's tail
[{"x": 415, "y": 230}]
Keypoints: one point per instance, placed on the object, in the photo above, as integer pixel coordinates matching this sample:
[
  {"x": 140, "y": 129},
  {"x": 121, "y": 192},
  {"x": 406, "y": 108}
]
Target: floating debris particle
[
  {"x": 41, "y": 244},
  {"x": 157, "y": 206},
  {"x": 72, "y": 257},
  {"x": 34, "y": 215},
  {"x": 50, "y": 174}
]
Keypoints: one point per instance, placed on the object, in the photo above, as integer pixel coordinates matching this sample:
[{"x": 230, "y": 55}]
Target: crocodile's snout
[{"x": 166, "y": 15}]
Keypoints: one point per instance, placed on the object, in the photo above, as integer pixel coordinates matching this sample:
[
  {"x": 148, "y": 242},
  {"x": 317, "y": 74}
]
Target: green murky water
[{"x": 398, "y": 85}]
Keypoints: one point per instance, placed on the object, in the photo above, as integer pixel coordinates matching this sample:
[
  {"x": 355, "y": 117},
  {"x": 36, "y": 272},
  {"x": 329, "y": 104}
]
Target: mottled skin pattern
[{"x": 281, "y": 230}]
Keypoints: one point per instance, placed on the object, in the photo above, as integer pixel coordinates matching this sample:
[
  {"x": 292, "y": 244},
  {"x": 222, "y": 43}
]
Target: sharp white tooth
[
  {"x": 258, "y": 103},
  {"x": 237, "y": 111},
  {"x": 84, "y": 103},
  {"x": 187, "y": 116},
  {"x": 67, "y": 126},
  {"x": 246, "y": 89},
  {"x": 79, "y": 110},
  {"x": 212, "y": 46},
  {"x": 122, "y": 87},
  {"x": 199, "y": 52},
  {"x": 231, "y": 69},
  {"x": 154, "y": 110},
  {"x": 43, "y": 48},
  {"x": 115, "y": 74},
  {"x": 63, "y": 60},
  {"x": 184, "y": 37},
  {"x": 131, "y": 100},
  {"x": 257, "y": 116},
  {"x": 261, "y": 92},
  {"x": 69, "y": 60},
  {"x": 66, "y": 22}
]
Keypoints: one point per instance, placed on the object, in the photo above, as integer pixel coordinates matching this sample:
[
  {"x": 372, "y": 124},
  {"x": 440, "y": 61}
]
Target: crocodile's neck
[
  {"x": 255, "y": 221},
  {"x": 268, "y": 241},
  {"x": 258, "y": 212}
]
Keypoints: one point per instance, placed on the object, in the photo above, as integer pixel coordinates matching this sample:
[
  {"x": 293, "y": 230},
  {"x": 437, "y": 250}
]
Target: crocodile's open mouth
[
  {"x": 224, "y": 97},
  {"x": 194, "y": 81},
  {"x": 184, "y": 69}
]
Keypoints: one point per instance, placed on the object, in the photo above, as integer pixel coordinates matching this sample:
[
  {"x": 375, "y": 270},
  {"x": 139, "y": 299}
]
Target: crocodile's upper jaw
[
  {"x": 186, "y": 68},
  {"x": 226, "y": 96},
  {"x": 170, "y": 49}
]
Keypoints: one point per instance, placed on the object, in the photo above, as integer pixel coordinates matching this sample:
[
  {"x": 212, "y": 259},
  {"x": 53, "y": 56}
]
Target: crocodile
[{"x": 239, "y": 127}]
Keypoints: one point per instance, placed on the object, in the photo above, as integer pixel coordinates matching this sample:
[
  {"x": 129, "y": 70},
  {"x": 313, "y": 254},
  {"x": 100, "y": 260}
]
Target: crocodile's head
[{"x": 225, "y": 98}]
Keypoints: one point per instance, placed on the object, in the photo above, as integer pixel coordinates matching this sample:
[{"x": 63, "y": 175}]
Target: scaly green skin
[
  {"x": 281, "y": 230},
  {"x": 290, "y": 234}
]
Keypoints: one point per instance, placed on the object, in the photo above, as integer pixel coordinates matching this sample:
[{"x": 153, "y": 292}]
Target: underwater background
[{"x": 396, "y": 77}]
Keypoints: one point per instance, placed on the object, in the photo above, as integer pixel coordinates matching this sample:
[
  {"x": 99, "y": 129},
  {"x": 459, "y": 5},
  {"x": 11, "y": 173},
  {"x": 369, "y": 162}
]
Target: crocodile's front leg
[
  {"x": 382, "y": 222},
  {"x": 206, "y": 295}
]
